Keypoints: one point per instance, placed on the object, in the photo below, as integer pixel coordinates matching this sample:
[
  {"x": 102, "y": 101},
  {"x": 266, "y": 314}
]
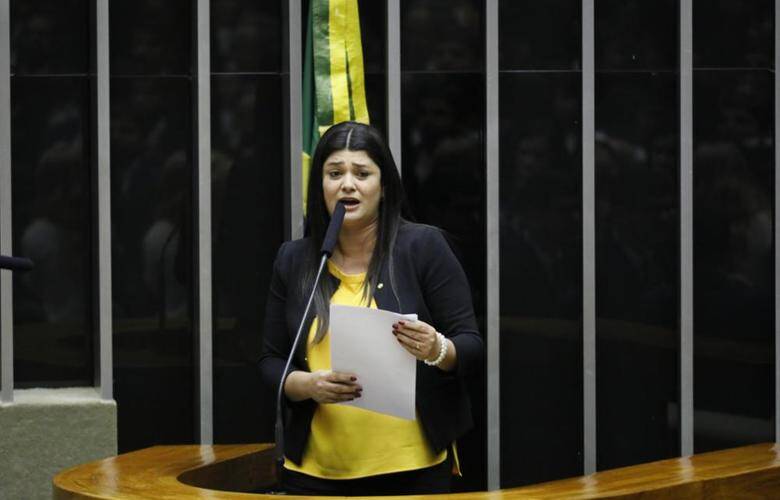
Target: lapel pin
[{"x": 380, "y": 285}]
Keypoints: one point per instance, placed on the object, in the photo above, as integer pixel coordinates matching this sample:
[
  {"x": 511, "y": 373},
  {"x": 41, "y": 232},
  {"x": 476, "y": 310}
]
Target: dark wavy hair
[{"x": 352, "y": 136}]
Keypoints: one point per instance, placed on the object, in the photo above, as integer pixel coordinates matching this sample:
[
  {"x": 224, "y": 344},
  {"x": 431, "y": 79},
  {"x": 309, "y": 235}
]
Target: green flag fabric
[{"x": 333, "y": 82}]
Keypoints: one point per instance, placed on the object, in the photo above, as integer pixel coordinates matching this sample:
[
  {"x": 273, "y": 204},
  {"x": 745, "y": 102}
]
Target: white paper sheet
[{"x": 362, "y": 342}]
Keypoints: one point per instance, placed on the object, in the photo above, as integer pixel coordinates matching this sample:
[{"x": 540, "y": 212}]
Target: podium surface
[{"x": 234, "y": 471}]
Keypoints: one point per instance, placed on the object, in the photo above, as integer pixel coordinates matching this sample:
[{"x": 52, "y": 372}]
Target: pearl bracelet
[{"x": 442, "y": 351}]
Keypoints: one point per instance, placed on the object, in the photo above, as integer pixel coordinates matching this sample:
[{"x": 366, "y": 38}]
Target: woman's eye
[
  {"x": 363, "y": 174},
  {"x": 333, "y": 174}
]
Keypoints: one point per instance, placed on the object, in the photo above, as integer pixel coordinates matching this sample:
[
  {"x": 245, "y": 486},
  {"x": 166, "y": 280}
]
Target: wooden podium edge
[{"x": 233, "y": 471}]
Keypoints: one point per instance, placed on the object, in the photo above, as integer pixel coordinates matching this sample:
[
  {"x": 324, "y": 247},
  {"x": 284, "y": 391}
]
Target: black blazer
[{"x": 429, "y": 281}]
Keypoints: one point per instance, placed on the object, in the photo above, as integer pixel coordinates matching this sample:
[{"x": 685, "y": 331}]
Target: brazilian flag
[{"x": 334, "y": 87}]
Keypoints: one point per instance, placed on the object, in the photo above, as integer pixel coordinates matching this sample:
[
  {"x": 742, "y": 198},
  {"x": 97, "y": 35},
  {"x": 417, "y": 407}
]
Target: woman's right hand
[
  {"x": 323, "y": 386},
  {"x": 326, "y": 386}
]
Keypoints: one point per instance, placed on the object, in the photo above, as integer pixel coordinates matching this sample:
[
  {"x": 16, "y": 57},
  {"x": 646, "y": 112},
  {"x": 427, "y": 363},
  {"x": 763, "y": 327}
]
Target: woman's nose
[{"x": 347, "y": 183}]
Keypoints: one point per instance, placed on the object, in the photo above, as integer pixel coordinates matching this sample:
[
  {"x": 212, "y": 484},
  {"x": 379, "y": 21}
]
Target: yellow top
[{"x": 348, "y": 442}]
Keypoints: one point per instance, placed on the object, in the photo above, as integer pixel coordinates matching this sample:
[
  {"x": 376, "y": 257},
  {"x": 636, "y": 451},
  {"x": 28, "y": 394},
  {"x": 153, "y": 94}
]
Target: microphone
[
  {"x": 15, "y": 263},
  {"x": 328, "y": 243},
  {"x": 332, "y": 234}
]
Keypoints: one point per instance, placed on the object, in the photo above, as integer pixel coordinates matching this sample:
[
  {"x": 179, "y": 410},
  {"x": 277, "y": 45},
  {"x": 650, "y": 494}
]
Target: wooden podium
[{"x": 234, "y": 471}]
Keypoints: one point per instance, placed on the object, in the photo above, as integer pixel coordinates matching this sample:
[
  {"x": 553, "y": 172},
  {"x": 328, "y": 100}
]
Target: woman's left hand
[{"x": 417, "y": 337}]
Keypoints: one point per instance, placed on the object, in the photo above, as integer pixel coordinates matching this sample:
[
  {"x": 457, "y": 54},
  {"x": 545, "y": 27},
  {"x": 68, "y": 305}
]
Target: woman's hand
[
  {"x": 420, "y": 340},
  {"x": 326, "y": 386},
  {"x": 323, "y": 386}
]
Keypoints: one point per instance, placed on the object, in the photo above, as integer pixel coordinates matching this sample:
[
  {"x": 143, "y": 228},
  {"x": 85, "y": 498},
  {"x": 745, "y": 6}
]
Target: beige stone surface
[{"x": 46, "y": 430}]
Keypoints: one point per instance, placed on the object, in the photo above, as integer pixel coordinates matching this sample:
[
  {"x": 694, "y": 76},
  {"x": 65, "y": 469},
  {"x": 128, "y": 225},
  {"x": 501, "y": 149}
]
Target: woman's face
[{"x": 354, "y": 178}]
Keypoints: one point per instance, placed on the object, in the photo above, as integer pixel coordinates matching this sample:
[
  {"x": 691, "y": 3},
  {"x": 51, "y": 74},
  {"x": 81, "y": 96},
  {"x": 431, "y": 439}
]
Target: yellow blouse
[{"x": 348, "y": 442}]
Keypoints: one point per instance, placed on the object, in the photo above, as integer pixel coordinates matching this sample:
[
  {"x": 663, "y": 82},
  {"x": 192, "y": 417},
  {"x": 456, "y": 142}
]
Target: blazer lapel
[{"x": 384, "y": 292}]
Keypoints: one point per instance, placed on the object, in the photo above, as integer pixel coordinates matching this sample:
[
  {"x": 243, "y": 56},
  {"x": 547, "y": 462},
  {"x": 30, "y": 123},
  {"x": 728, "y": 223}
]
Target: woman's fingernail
[
  {"x": 353, "y": 378},
  {"x": 401, "y": 323}
]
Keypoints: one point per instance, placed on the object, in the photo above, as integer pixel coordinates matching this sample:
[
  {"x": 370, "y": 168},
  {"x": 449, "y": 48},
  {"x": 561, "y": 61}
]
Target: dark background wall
[
  {"x": 541, "y": 240},
  {"x": 51, "y": 165},
  {"x": 734, "y": 172},
  {"x": 637, "y": 231}
]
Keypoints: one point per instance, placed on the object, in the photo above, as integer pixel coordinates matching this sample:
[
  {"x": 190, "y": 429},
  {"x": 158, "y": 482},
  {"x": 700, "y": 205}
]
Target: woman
[{"x": 385, "y": 262}]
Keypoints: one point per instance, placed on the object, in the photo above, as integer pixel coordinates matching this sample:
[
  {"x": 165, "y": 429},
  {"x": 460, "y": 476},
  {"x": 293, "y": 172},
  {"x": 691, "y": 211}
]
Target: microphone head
[
  {"x": 332, "y": 234},
  {"x": 15, "y": 263}
]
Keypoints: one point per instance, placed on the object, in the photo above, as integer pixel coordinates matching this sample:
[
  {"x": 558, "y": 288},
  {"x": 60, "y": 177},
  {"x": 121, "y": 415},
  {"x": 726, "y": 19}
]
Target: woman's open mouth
[{"x": 349, "y": 203}]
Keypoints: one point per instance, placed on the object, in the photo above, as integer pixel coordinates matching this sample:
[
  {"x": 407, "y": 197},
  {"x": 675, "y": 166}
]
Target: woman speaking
[{"x": 380, "y": 261}]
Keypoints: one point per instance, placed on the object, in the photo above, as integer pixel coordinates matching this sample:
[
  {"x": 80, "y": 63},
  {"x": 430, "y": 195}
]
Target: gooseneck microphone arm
[
  {"x": 279, "y": 426},
  {"x": 328, "y": 243},
  {"x": 15, "y": 263}
]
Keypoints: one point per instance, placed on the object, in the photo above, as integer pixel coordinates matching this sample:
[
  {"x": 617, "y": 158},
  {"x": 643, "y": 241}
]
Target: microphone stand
[
  {"x": 328, "y": 243},
  {"x": 279, "y": 425}
]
